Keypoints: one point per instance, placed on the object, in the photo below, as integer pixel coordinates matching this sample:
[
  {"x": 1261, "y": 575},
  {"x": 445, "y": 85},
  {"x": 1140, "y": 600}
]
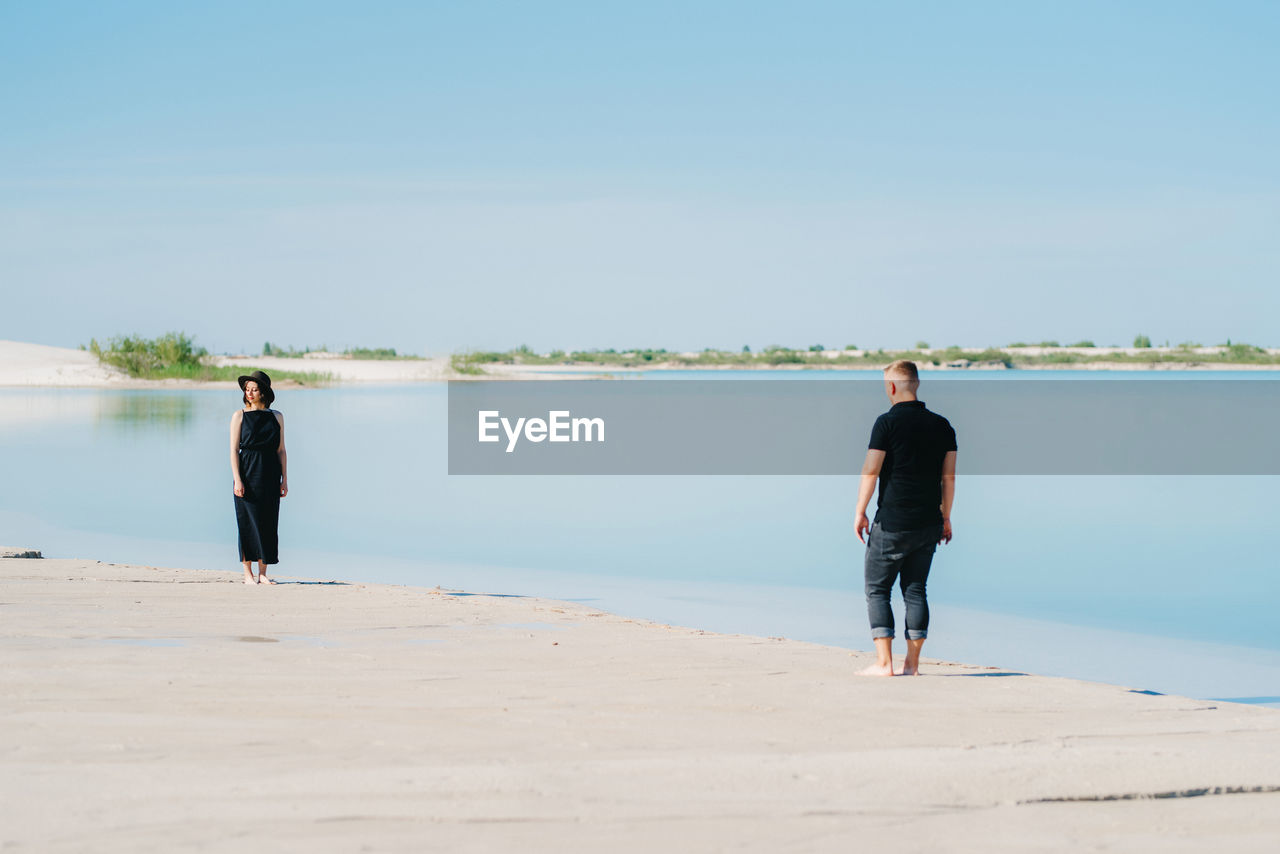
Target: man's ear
[{"x": 893, "y": 388}]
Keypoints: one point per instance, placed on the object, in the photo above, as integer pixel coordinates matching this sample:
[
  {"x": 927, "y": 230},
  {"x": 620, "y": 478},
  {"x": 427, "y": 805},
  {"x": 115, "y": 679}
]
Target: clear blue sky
[{"x": 438, "y": 176}]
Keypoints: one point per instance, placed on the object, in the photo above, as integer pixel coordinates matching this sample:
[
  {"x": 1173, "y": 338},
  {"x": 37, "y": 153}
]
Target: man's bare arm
[
  {"x": 870, "y": 473},
  {"x": 948, "y": 493}
]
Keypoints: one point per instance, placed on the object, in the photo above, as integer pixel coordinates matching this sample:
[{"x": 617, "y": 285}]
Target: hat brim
[{"x": 264, "y": 380}]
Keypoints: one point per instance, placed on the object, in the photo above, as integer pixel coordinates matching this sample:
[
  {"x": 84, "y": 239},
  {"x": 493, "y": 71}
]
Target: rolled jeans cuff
[
  {"x": 881, "y": 632},
  {"x": 917, "y": 634}
]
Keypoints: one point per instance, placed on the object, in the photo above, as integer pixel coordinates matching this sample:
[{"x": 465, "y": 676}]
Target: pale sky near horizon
[{"x": 436, "y": 177}]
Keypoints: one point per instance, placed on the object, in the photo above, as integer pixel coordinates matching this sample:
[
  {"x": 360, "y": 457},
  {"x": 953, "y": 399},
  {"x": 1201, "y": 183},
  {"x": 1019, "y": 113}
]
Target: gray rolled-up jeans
[{"x": 906, "y": 557}]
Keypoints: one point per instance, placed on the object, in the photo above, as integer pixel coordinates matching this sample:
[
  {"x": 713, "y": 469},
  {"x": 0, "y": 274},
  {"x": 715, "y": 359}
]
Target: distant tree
[
  {"x": 267, "y": 349},
  {"x": 816, "y": 348},
  {"x": 922, "y": 345},
  {"x": 746, "y": 349},
  {"x": 1085, "y": 343},
  {"x": 851, "y": 346},
  {"x": 1142, "y": 342},
  {"x": 1018, "y": 344}
]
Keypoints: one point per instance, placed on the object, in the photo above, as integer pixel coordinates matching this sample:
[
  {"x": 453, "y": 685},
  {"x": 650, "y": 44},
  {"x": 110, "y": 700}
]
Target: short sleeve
[
  {"x": 951, "y": 437},
  {"x": 879, "y": 435}
]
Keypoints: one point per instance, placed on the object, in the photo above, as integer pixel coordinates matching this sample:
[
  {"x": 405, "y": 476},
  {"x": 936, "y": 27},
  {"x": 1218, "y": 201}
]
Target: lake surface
[{"x": 1165, "y": 583}]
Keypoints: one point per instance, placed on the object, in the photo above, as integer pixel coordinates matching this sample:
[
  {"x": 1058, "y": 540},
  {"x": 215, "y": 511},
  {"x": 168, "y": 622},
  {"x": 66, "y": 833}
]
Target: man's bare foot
[
  {"x": 877, "y": 670},
  {"x": 264, "y": 580},
  {"x": 911, "y": 668}
]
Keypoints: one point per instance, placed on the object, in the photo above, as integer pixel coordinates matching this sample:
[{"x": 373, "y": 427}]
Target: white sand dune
[
  {"x": 170, "y": 710},
  {"x": 24, "y": 364}
]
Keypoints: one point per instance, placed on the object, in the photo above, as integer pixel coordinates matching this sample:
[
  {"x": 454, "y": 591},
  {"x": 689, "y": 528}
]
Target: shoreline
[
  {"x": 178, "y": 708},
  {"x": 1200, "y": 667},
  {"x": 25, "y": 365}
]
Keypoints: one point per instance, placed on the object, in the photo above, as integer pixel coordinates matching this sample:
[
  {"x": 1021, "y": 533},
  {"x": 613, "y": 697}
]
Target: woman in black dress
[{"x": 261, "y": 473}]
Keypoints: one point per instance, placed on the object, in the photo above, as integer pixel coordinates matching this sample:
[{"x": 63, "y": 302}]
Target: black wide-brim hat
[{"x": 264, "y": 385}]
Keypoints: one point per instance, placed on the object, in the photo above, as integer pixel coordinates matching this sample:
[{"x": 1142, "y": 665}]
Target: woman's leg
[
  {"x": 248, "y": 572},
  {"x": 262, "y": 573}
]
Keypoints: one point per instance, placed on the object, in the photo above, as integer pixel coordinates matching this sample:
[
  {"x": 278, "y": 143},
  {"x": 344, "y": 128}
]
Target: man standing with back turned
[{"x": 913, "y": 453}]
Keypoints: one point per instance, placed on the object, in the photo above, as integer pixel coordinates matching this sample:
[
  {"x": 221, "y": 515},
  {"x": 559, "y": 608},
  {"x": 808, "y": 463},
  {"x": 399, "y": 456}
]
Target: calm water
[{"x": 1164, "y": 583}]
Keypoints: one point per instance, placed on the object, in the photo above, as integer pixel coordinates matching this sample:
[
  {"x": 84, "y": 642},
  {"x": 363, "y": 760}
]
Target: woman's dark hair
[{"x": 268, "y": 395}]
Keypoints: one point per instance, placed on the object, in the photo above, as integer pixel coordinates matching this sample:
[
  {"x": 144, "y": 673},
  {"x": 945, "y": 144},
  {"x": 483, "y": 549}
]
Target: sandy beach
[{"x": 167, "y": 709}]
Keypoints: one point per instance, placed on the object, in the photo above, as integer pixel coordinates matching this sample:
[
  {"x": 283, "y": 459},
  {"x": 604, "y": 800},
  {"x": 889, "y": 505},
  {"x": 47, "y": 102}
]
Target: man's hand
[
  {"x": 946, "y": 532},
  {"x": 860, "y": 524},
  {"x": 866, "y": 488}
]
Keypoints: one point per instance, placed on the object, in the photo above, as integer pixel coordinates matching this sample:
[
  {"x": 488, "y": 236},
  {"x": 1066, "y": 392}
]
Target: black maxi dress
[{"x": 258, "y": 512}]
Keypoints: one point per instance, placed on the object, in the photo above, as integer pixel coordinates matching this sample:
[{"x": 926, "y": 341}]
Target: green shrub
[
  {"x": 1244, "y": 353},
  {"x": 782, "y": 356},
  {"x": 175, "y": 356},
  {"x": 140, "y": 357},
  {"x": 375, "y": 353}
]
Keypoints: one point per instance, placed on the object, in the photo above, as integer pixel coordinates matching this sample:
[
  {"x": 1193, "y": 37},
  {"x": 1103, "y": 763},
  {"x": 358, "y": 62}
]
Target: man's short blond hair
[{"x": 904, "y": 370}]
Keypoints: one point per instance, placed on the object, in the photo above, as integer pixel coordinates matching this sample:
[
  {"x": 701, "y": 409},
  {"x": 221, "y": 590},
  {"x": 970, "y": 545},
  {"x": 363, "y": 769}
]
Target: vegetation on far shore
[
  {"x": 269, "y": 349},
  {"x": 818, "y": 356},
  {"x": 175, "y": 355}
]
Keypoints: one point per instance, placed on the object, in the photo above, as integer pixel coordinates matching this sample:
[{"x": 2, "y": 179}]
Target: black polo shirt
[{"x": 915, "y": 442}]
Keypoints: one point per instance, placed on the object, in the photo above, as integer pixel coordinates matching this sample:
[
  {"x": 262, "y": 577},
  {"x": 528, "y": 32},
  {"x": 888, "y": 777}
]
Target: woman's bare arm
[
  {"x": 238, "y": 484},
  {"x": 284, "y": 458}
]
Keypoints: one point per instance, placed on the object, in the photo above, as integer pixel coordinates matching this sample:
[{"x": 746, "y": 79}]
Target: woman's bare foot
[
  {"x": 248, "y": 579},
  {"x": 877, "y": 670},
  {"x": 262, "y": 579}
]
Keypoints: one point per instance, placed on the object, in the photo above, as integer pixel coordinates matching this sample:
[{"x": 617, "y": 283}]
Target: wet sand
[{"x": 168, "y": 709}]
